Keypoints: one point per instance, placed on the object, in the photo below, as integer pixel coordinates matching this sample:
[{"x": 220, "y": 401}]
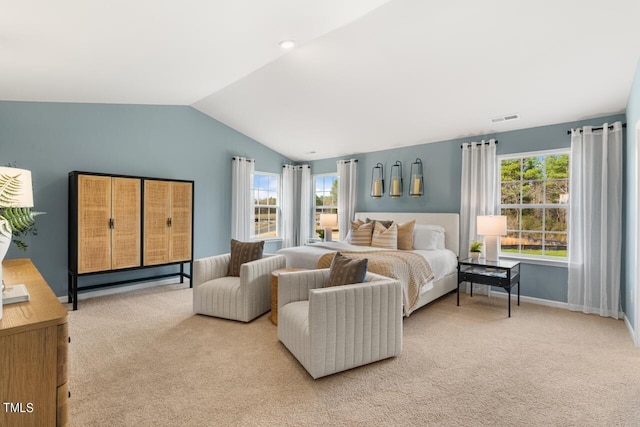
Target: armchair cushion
[
  {"x": 345, "y": 271},
  {"x": 243, "y": 252}
]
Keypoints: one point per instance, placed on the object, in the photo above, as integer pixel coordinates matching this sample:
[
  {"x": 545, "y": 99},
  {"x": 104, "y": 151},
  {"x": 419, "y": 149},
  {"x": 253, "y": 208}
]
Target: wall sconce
[
  {"x": 396, "y": 180},
  {"x": 417, "y": 182},
  {"x": 377, "y": 181}
]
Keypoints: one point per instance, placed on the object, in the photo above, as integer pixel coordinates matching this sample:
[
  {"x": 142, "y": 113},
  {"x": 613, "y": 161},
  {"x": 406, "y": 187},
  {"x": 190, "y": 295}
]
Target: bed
[{"x": 443, "y": 261}]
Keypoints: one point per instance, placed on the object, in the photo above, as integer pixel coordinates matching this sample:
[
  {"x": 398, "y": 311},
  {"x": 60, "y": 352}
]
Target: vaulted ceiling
[{"x": 364, "y": 75}]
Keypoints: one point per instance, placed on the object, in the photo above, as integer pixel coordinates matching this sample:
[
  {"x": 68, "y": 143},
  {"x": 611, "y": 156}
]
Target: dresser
[{"x": 34, "y": 340}]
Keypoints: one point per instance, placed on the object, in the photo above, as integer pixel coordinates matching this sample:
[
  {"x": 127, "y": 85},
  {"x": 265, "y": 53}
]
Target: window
[
  {"x": 266, "y": 205},
  {"x": 534, "y": 196},
  {"x": 325, "y": 189}
]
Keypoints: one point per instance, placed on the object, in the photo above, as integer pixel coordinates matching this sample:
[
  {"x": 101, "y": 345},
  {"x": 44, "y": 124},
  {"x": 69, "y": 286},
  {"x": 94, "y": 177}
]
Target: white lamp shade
[
  {"x": 492, "y": 225},
  {"x": 328, "y": 220},
  {"x": 19, "y": 194}
]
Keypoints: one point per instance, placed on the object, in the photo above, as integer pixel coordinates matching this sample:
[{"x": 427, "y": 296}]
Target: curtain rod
[
  {"x": 486, "y": 143},
  {"x": 624, "y": 125},
  {"x": 238, "y": 158},
  {"x": 297, "y": 166}
]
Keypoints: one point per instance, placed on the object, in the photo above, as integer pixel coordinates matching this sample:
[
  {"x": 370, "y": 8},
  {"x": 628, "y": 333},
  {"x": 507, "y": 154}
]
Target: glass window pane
[
  {"x": 531, "y": 243},
  {"x": 555, "y": 219},
  {"x": 532, "y": 219},
  {"x": 557, "y": 166},
  {"x": 510, "y": 170},
  {"x": 532, "y": 192},
  {"x": 532, "y": 168},
  {"x": 510, "y": 193},
  {"x": 555, "y": 244},
  {"x": 557, "y": 191}
]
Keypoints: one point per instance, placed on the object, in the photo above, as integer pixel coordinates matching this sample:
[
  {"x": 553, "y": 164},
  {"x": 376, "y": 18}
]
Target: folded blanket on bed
[{"x": 412, "y": 270}]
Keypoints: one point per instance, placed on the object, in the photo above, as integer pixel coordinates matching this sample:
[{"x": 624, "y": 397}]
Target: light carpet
[{"x": 142, "y": 358}]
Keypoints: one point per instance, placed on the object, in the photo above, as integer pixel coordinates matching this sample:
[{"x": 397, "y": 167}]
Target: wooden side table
[{"x": 274, "y": 291}]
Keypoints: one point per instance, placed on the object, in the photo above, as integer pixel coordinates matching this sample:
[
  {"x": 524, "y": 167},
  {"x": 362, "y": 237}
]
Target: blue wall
[
  {"x": 633, "y": 119},
  {"x": 442, "y": 163},
  {"x": 52, "y": 139}
]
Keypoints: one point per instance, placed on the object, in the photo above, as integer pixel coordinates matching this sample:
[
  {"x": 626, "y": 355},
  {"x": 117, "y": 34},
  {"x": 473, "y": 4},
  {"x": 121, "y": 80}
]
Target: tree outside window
[{"x": 534, "y": 196}]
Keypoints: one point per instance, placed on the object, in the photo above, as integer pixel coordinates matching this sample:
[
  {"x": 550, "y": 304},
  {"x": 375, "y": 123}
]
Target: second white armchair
[{"x": 238, "y": 298}]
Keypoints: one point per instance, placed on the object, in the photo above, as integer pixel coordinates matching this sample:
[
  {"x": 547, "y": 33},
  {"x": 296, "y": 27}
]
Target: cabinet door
[
  {"x": 156, "y": 220},
  {"x": 180, "y": 231},
  {"x": 94, "y": 234},
  {"x": 125, "y": 235}
]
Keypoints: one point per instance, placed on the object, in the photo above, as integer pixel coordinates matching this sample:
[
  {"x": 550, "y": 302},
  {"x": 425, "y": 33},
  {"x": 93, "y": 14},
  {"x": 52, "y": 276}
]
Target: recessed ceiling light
[{"x": 287, "y": 44}]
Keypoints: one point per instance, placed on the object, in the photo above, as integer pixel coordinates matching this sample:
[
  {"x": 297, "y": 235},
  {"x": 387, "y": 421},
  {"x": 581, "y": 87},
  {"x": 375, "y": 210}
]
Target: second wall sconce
[
  {"x": 396, "y": 180},
  {"x": 417, "y": 180},
  {"x": 377, "y": 181}
]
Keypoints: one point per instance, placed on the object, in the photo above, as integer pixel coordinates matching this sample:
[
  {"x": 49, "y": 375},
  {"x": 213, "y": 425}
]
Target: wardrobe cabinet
[{"x": 122, "y": 223}]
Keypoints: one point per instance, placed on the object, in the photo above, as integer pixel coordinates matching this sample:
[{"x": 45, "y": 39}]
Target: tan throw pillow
[
  {"x": 405, "y": 235},
  {"x": 383, "y": 237},
  {"x": 242, "y": 252},
  {"x": 346, "y": 271},
  {"x": 386, "y": 222},
  {"x": 361, "y": 233}
]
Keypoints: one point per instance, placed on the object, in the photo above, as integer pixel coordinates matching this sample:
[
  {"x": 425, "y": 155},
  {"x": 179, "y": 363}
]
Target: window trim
[
  {"x": 278, "y": 207},
  {"x": 533, "y": 259}
]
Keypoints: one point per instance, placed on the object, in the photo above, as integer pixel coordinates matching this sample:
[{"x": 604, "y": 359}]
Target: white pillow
[{"x": 428, "y": 237}]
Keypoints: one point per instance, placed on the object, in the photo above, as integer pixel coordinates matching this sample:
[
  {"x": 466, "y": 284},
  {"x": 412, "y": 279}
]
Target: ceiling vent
[{"x": 505, "y": 118}]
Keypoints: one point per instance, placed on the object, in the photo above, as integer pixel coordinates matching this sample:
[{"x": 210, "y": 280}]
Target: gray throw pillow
[
  {"x": 242, "y": 252},
  {"x": 346, "y": 271}
]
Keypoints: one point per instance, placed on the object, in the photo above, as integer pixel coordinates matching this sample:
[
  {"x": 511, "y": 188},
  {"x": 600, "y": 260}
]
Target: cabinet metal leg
[
  {"x": 471, "y": 284},
  {"x": 458, "y": 295},
  {"x": 509, "y": 301},
  {"x": 518, "y": 293}
]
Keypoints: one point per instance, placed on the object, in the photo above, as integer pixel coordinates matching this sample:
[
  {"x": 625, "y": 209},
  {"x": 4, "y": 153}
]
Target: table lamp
[
  {"x": 491, "y": 226},
  {"x": 15, "y": 192},
  {"x": 328, "y": 222}
]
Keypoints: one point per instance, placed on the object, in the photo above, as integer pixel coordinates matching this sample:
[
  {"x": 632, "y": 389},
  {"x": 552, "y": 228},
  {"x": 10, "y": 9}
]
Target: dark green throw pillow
[
  {"x": 346, "y": 271},
  {"x": 242, "y": 252}
]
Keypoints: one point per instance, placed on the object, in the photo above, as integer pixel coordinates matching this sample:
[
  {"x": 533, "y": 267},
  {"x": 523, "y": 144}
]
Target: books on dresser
[{"x": 15, "y": 293}]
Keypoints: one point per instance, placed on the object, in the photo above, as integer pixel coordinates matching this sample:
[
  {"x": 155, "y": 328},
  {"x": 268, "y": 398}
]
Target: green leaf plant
[
  {"x": 16, "y": 221},
  {"x": 476, "y": 246}
]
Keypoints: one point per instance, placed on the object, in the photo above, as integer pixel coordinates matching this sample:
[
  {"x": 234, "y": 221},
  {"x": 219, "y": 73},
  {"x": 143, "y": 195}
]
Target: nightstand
[{"x": 505, "y": 274}]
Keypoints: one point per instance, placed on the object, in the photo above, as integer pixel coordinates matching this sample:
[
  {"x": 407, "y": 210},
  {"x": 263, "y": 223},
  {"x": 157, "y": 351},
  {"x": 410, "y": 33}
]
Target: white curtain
[
  {"x": 347, "y": 172},
  {"x": 479, "y": 188},
  {"x": 306, "y": 214},
  {"x": 296, "y": 203},
  {"x": 242, "y": 215},
  {"x": 595, "y": 220}
]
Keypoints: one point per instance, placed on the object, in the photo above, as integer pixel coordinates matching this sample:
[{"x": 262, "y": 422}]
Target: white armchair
[
  {"x": 341, "y": 327},
  {"x": 238, "y": 298}
]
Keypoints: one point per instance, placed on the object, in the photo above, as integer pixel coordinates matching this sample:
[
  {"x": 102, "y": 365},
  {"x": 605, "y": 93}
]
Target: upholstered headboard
[{"x": 450, "y": 222}]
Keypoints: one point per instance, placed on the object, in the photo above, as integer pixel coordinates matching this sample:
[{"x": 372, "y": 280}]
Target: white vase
[
  {"x": 5, "y": 241},
  {"x": 474, "y": 255}
]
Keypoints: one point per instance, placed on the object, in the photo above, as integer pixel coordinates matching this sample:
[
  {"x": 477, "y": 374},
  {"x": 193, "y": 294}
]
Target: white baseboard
[
  {"x": 123, "y": 288},
  {"x": 634, "y": 337},
  {"x": 532, "y": 300}
]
